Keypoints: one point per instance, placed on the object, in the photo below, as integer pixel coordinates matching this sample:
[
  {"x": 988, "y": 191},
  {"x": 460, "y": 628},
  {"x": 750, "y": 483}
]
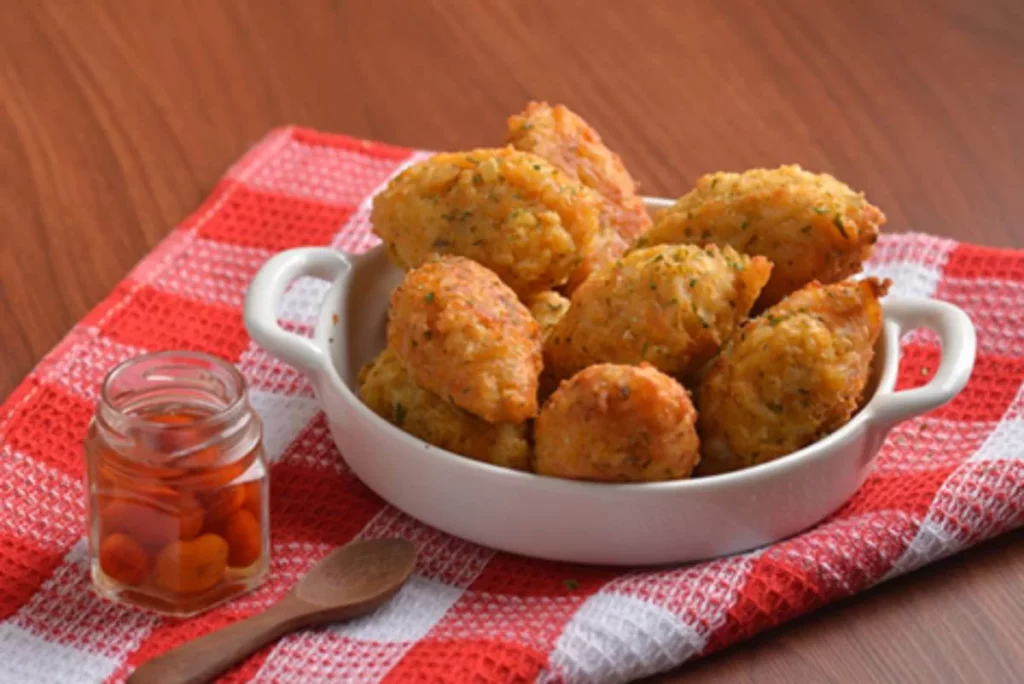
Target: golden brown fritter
[
  {"x": 391, "y": 393},
  {"x": 606, "y": 248},
  {"x": 810, "y": 226},
  {"x": 509, "y": 210},
  {"x": 669, "y": 305},
  {"x": 617, "y": 423},
  {"x": 547, "y": 309},
  {"x": 464, "y": 335},
  {"x": 791, "y": 376},
  {"x": 563, "y": 138}
]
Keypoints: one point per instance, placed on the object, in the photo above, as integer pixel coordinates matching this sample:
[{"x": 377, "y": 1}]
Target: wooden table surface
[{"x": 118, "y": 118}]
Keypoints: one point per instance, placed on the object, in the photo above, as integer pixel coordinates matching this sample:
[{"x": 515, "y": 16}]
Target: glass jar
[{"x": 177, "y": 485}]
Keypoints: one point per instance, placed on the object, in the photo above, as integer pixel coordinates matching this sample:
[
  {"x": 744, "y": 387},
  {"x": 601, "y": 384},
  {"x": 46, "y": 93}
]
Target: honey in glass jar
[{"x": 177, "y": 485}]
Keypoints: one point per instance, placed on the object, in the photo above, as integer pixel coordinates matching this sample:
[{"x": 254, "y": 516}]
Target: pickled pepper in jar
[{"x": 177, "y": 485}]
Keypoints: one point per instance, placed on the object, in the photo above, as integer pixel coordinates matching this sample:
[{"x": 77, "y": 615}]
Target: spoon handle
[{"x": 202, "y": 659}]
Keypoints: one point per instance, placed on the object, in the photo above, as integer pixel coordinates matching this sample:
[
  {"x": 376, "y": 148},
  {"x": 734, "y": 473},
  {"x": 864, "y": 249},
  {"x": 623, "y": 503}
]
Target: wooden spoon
[{"x": 351, "y": 581}]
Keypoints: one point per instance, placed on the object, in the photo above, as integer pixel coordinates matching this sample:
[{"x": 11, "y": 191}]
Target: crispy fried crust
[
  {"x": 563, "y": 138},
  {"x": 464, "y": 335},
  {"x": 617, "y": 423},
  {"x": 810, "y": 226},
  {"x": 509, "y": 210},
  {"x": 791, "y": 376},
  {"x": 391, "y": 393},
  {"x": 669, "y": 305}
]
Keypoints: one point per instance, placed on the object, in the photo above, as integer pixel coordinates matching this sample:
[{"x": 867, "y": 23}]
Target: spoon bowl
[{"x": 372, "y": 570}]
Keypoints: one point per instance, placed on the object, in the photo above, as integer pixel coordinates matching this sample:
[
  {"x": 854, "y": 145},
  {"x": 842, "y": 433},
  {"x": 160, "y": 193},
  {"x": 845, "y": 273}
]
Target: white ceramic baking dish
[{"x": 616, "y": 524}]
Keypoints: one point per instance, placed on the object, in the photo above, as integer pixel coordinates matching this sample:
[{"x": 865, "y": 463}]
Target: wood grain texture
[{"x": 118, "y": 117}]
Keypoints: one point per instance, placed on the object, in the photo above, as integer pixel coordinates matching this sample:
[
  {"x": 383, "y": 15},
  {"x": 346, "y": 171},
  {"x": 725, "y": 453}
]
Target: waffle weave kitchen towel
[{"x": 940, "y": 484}]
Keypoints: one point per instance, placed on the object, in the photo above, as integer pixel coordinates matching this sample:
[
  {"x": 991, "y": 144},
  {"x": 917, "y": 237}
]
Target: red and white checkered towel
[{"x": 940, "y": 484}]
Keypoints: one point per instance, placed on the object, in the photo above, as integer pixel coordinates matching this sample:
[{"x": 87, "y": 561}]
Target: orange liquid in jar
[{"x": 178, "y": 522}]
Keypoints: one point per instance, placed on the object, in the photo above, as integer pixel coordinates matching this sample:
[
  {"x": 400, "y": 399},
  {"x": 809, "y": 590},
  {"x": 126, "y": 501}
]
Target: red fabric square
[
  {"x": 273, "y": 221},
  {"x": 315, "y": 505},
  {"x": 24, "y": 566},
  {"x": 995, "y": 308},
  {"x": 157, "y": 321},
  {"x": 48, "y": 425},
  {"x": 977, "y": 262},
  {"x": 908, "y": 492},
  {"x": 520, "y": 576},
  {"x": 992, "y": 388},
  {"x": 467, "y": 660}
]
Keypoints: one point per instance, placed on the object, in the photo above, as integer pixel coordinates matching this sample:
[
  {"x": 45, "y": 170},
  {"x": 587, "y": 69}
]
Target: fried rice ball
[
  {"x": 509, "y": 210},
  {"x": 390, "y": 392},
  {"x": 810, "y": 226},
  {"x": 669, "y": 305},
  {"x": 615, "y": 423},
  {"x": 547, "y": 309},
  {"x": 463, "y": 334},
  {"x": 791, "y": 376},
  {"x": 563, "y": 138}
]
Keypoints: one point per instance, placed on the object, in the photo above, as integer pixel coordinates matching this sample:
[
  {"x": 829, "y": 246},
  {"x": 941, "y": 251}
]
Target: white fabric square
[
  {"x": 284, "y": 417},
  {"x": 320, "y": 656},
  {"x": 213, "y": 272},
  {"x": 417, "y": 607},
  {"x": 52, "y": 520},
  {"x": 302, "y": 302},
  {"x": 1006, "y": 442},
  {"x": 931, "y": 542},
  {"x": 66, "y": 611},
  {"x": 26, "y": 657},
  {"x": 908, "y": 279},
  {"x": 614, "y": 638}
]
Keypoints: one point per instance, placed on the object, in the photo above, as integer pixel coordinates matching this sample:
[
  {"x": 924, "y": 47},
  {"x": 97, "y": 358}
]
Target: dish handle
[
  {"x": 266, "y": 291},
  {"x": 959, "y": 346}
]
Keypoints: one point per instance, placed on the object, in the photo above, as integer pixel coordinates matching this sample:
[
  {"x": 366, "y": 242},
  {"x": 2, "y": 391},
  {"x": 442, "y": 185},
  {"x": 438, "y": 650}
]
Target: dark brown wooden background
[{"x": 118, "y": 117}]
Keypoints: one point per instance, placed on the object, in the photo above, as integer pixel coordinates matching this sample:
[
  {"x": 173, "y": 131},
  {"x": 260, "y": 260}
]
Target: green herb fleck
[
  {"x": 643, "y": 352},
  {"x": 571, "y": 584},
  {"x": 774, "y": 320},
  {"x": 820, "y": 210},
  {"x": 399, "y": 414},
  {"x": 838, "y": 221},
  {"x": 429, "y": 297},
  {"x": 745, "y": 224},
  {"x": 526, "y": 126},
  {"x": 555, "y": 307},
  {"x": 536, "y": 167},
  {"x": 693, "y": 282},
  {"x": 653, "y": 285},
  {"x": 427, "y": 334},
  {"x": 477, "y": 179}
]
